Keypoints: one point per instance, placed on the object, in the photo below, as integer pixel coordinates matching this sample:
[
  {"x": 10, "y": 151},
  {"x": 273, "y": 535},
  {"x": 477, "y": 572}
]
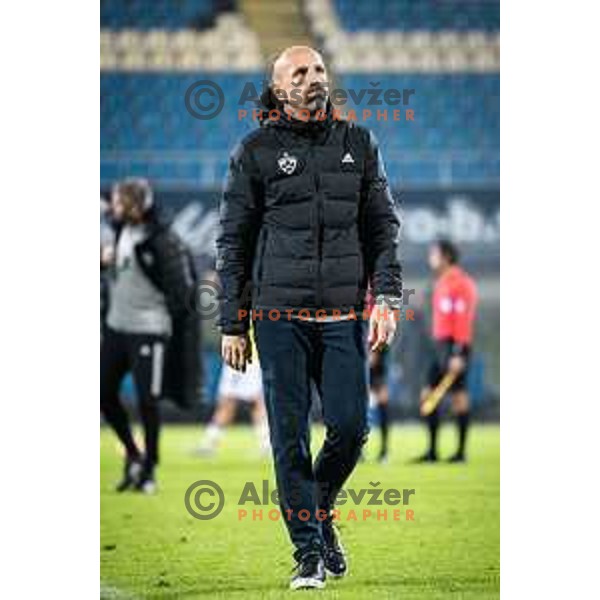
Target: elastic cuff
[{"x": 234, "y": 328}]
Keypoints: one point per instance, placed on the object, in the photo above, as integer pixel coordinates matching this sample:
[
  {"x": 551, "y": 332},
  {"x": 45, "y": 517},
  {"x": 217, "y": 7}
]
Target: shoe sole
[
  {"x": 306, "y": 583},
  {"x": 336, "y": 575}
]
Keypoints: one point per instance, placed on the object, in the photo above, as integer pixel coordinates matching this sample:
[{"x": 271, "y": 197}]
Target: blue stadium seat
[
  {"x": 432, "y": 15},
  {"x": 146, "y": 130},
  {"x": 164, "y": 14}
]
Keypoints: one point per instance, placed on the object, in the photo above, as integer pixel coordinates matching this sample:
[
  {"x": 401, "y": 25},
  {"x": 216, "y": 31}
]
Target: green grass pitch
[{"x": 152, "y": 548}]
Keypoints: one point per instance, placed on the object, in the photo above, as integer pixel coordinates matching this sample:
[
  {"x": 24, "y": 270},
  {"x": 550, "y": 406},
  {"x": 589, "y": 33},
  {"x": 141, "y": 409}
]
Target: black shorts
[
  {"x": 141, "y": 354},
  {"x": 439, "y": 365}
]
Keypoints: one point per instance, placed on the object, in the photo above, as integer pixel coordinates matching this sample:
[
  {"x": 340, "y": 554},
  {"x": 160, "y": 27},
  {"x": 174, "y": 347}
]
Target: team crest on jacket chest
[{"x": 287, "y": 163}]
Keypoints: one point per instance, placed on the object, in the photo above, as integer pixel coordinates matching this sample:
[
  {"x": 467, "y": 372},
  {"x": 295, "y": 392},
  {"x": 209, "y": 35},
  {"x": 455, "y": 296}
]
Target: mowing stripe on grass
[{"x": 111, "y": 592}]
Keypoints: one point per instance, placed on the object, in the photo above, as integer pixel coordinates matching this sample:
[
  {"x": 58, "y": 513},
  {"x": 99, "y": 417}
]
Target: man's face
[
  {"x": 116, "y": 206},
  {"x": 124, "y": 208},
  {"x": 437, "y": 261},
  {"x": 300, "y": 76}
]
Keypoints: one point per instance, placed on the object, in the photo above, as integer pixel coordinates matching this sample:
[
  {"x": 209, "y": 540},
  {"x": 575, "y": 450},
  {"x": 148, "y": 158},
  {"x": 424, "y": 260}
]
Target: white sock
[{"x": 212, "y": 435}]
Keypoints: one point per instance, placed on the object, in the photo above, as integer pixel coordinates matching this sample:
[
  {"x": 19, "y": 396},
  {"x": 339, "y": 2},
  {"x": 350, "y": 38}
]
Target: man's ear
[{"x": 268, "y": 98}]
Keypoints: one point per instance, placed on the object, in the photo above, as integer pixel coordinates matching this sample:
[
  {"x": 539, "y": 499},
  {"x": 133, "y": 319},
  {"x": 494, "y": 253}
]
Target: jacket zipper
[
  {"x": 319, "y": 288},
  {"x": 261, "y": 260}
]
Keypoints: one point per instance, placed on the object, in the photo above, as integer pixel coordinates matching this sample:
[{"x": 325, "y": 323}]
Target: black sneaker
[
  {"x": 131, "y": 475},
  {"x": 310, "y": 573},
  {"x": 428, "y": 457},
  {"x": 334, "y": 555},
  {"x": 459, "y": 457},
  {"x": 383, "y": 457},
  {"x": 146, "y": 482}
]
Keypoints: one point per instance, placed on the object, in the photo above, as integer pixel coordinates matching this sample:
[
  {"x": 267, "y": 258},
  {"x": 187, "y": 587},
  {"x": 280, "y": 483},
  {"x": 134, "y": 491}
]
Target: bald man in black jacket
[{"x": 307, "y": 225}]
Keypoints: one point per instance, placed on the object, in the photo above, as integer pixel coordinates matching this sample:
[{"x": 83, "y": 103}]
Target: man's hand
[
  {"x": 236, "y": 351},
  {"x": 107, "y": 255},
  {"x": 382, "y": 327},
  {"x": 456, "y": 365}
]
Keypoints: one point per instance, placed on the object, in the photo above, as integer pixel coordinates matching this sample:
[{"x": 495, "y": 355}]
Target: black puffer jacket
[{"x": 307, "y": 221}]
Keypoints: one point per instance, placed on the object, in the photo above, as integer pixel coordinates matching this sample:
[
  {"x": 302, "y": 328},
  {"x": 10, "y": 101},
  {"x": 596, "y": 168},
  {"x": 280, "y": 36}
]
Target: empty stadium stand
[
  {"x": 161, "y": 14},
  {"x": 455, "y": 135},
  {"x": 390, "y": 39},
  {"x": 406, "y": 15},
  {"x": 448, "y": 52}
]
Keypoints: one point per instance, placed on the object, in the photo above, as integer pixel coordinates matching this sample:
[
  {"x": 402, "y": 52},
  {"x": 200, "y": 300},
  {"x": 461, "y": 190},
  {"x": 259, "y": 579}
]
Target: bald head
[{"x": 300, "y": 78}]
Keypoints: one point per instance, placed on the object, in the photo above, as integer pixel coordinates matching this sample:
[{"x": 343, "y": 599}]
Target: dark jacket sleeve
[
  {"x": 239, "y": 225},
  {"x": 380, "y": 227},
  {"x": 168, "y": 263}
]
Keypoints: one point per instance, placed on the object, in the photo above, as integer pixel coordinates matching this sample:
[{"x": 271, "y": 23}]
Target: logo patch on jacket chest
[{"x": 287, "y": 163}]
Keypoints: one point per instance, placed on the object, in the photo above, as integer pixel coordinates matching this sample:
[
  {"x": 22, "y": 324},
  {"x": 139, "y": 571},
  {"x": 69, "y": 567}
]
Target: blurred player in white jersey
[{"x": 234, "y": 387}]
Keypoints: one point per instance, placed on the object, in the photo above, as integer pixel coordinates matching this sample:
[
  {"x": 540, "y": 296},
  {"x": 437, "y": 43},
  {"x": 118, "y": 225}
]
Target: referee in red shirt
[{"x": 453, "y": 315}]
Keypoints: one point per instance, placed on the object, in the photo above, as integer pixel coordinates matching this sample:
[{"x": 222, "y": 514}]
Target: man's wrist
[
  {"x": 234, "y": 328},
  {"x": 393, "y": 302}
]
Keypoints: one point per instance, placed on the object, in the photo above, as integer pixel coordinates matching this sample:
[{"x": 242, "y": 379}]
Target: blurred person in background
[
  {"x": 378, "y": 367},
  {"x": 299, "y": 252},
  {"x": 454, "y": 304},
  {"x": 107, "y": 257},
  {"x": 149, "y": 329},
  {"x": 235, "y": 387},
  {"x": 378, "y": 386}
]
